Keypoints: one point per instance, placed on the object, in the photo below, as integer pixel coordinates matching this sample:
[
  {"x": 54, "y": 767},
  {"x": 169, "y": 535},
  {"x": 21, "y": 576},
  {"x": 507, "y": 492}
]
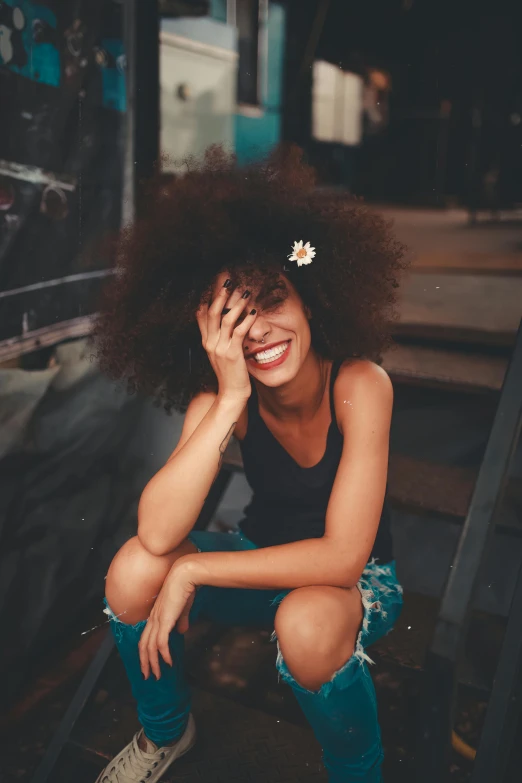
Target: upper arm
[
  {"x": 364, "y": 402},
  {"x": 197, "y": 409}
]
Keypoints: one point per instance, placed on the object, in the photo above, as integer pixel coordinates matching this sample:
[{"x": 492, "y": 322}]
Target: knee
[
  {"x": 300, "y": 624},
  {"x": 133, "y": 580},
  {"x": 316, "y": 633}
]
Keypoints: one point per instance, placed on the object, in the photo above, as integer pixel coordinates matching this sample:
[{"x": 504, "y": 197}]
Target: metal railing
[{"x": 438, "y": 697}]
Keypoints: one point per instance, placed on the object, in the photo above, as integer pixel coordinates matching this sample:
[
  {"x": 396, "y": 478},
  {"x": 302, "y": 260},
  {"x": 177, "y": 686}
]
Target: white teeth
[{"x": 263, "y": 357}]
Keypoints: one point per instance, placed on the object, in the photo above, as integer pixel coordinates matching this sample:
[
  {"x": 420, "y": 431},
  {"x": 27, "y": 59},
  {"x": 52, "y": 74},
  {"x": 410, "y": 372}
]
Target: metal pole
[
  {"x": 505, "y": 703},
  {"x": 444, "y": 655},
  {"x": 74, "y": 710},
  {"x": 141, "y": 32}
]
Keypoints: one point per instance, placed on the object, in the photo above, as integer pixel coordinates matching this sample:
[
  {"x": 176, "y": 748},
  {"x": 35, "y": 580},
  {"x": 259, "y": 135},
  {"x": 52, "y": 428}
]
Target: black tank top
[{"x": 289, "y": 502}]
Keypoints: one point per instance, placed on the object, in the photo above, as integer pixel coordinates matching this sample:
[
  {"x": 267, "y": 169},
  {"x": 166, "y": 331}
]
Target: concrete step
[
  {"x": 475, "y": 309},
  {"x": 457, "y": 370},
  {"x": 249, "y": 725},
  {"x": 409, "y": 641}
]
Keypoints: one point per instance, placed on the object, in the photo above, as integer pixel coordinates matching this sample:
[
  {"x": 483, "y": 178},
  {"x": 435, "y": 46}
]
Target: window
[{"x": 247, "y": 23}]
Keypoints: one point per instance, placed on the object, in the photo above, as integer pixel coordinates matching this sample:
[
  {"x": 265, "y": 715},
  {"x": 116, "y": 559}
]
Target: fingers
[
  {"x": 182, "y": 625},
  {"x": 228, "y": 322},
  {"x": 152, "y": 651},
  {"x": 142, "y": 650},
  {"x": 155, "y": 640},
  {"x": 209, "y": 316},
  {"x": 241, "y": 330},
  {"x": 148, "y": 648},
  {"x": 163, "y": 645},
  {"x": 201, "y": 318},
  {"x": 217, "y": 321}
]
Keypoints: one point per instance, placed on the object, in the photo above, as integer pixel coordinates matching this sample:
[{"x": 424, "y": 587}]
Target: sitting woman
[{"x": 259, "y": 305}]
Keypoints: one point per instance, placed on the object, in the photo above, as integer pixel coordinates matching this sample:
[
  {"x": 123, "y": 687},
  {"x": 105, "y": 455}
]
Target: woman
[{"x": 278, "y": 349}]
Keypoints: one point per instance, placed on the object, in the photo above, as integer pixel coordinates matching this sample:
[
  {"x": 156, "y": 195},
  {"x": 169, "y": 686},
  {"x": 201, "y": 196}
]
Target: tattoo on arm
[
  {"x": 224, "y": 442},
  {"x": 222, "y": 448}
]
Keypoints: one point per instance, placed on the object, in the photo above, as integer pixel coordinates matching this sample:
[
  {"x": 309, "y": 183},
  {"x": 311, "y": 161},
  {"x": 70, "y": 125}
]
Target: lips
[
  {"x": 266, "y": 348},
  {"x": 276, "y": 362}
]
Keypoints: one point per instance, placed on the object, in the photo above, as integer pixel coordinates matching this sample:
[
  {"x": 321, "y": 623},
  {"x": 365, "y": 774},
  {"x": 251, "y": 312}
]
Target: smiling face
[{"x": 284, "y": 329}]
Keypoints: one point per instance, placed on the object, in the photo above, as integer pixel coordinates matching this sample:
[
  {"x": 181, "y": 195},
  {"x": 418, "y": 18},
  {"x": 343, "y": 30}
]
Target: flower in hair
[{"x": 302, "y": 254}]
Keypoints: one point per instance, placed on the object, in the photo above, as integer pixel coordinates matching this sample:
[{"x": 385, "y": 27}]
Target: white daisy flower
[{"x": 302, "y": 254}]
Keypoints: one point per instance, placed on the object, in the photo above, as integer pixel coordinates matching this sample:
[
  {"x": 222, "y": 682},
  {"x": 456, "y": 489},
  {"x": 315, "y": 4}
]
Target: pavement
[
  {"x": 485, "y": 309},
  {"x": 250, "y": 728},
  {"x": 465, "y": 282},
  {"x": 445, "y": 240}
]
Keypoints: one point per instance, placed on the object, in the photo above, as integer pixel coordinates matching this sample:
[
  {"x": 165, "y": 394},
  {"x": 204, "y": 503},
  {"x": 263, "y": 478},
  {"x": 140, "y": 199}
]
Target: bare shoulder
[
  {"x": 363, "y": 371},
  {"x": 361, "y": 385}
]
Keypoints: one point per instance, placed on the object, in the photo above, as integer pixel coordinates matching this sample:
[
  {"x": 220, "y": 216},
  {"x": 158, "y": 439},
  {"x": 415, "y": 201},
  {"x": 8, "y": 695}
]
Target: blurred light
[
  {"x": 379, "y": 79},
  {"x": 18, "y": 18},
  {"x": 101, "y": 57},
  {"x": 184, "y": 92},
  {"x": 74, "y": 38},
  {"x": 42, "y": 31},
  {"x": 7, "y": 194},
  {"x": 6, "y": 50},
  {"x": 54, "y": 203}
]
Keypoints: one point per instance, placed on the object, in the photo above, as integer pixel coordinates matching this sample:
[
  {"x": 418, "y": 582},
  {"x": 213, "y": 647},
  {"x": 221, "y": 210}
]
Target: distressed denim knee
[
  {"x": 381, "y": 596},
  {"x": 118, "y": 623},
  {"x": 343, "y": 712}
]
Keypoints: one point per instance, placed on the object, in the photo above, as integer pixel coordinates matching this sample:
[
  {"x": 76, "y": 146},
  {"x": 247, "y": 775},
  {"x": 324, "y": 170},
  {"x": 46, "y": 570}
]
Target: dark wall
[
  {"x": 441, "y": 55},
  {"x": 63, "y": 104}
]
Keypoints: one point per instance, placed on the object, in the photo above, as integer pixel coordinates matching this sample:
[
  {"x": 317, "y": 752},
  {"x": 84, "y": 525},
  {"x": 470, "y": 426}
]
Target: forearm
[
  {"x": 172, "y": 500},
  {"x": 315, "y": 561}
]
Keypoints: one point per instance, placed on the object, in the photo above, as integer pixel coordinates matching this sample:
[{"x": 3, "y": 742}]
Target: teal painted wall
[
  {"x": 256, "y": 136},
  {"x": 218, "y": 10}
]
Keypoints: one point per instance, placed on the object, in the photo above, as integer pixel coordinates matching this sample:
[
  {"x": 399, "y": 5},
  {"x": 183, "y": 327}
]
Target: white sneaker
[{"x": 134, "y": 765}]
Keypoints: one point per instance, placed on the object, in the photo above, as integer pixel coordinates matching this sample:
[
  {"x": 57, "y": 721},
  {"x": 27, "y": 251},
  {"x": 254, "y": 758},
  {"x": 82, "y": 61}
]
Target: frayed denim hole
[
  {"x": 358, "y": 657},
  {"x": 369, "y": 603},
  {"x": 119, "y": 627},
  {"x": 279, "y": 597},
  {"x": 339, "y": 679}
]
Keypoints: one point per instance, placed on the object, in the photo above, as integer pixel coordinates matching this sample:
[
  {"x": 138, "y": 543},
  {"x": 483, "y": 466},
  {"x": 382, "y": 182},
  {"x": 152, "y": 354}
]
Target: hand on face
[{"x": 222, "y": 338}]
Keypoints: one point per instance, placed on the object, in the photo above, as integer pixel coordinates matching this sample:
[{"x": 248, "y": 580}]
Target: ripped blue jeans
[{"x": 342, "y": 713}]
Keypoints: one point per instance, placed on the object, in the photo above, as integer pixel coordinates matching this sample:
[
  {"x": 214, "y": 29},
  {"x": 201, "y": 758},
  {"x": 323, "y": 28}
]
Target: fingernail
[
  {"x": 246, "y": 295},
  {"x": 226, "y": 283}
]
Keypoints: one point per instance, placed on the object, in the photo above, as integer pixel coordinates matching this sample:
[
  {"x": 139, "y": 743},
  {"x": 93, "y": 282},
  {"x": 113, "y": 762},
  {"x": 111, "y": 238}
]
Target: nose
[{"x": 259, "y": 329}]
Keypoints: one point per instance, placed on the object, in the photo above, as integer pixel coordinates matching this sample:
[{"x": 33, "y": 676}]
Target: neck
[{"x": 301, "y": 398}]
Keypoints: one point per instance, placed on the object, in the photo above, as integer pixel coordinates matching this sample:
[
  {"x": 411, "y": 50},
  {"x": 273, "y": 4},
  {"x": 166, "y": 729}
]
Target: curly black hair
[{"x": 220, "y": 216}]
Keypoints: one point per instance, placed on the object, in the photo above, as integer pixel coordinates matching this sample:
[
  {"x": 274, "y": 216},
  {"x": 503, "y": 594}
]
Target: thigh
[{"x": 232, "y": 606}]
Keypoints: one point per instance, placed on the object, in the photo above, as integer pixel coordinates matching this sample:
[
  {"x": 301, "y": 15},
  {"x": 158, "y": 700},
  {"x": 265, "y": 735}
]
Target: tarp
[{"x": 69, "y": 488}]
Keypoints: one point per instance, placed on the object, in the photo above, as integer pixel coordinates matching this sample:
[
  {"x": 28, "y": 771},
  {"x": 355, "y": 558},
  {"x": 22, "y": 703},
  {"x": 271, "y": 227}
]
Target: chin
[{"x": 277, "y": 376}]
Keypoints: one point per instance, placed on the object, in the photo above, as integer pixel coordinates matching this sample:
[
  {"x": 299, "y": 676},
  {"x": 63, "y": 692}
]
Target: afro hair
[{"x": 220, "y": 216}]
